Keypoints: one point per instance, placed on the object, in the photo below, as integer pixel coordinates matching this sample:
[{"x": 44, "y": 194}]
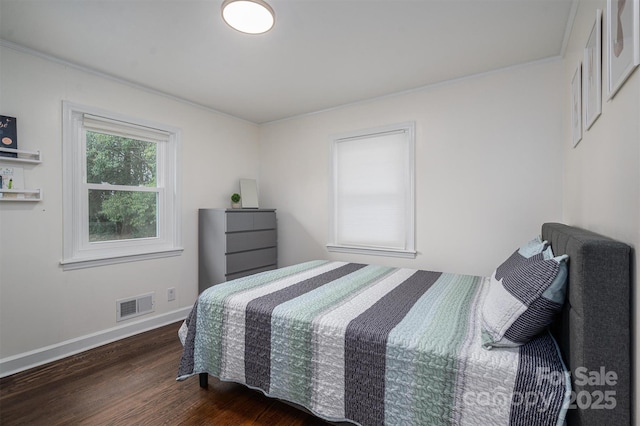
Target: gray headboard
[{"x": 593, "y": 330}]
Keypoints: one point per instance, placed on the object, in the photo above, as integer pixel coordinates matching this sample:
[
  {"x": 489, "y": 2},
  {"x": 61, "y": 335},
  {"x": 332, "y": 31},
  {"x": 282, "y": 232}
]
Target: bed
[{"x": 372, "y": 345}]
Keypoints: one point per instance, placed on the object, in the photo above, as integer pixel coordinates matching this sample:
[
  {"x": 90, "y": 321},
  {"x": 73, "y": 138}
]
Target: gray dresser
[{"x": 233, "y": 243}]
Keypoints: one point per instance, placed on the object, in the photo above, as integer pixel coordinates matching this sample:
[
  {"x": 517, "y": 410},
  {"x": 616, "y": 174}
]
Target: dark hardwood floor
[{"x": 133, "y": 382}]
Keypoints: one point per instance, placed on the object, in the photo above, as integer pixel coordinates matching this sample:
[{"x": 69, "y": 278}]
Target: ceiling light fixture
[{"x": 248, "y": 16}]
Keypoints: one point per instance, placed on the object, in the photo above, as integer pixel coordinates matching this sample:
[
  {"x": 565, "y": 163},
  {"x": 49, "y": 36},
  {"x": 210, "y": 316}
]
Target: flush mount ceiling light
[{"x": 248, "y": 16}]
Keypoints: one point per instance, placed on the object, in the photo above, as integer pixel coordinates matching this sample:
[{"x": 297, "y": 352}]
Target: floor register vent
[{"x": 135, "y": 306}]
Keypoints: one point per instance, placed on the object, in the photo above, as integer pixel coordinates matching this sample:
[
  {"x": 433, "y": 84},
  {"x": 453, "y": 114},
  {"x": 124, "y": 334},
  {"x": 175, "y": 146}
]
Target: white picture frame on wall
[
  {"x": 592, "y": 74},
  {"x": 576, "y": 105},
  {"x": 623, "y": 42}
]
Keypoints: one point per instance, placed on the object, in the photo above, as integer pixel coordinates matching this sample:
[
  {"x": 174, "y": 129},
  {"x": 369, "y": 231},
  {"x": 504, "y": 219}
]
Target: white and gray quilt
[{"x": 373, "y": 345}]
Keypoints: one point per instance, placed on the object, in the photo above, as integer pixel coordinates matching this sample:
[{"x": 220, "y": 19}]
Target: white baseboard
[{"x": 24, "y": 361}]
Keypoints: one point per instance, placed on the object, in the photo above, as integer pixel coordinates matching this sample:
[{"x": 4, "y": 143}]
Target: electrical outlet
[{"x": 171, "y": 294}]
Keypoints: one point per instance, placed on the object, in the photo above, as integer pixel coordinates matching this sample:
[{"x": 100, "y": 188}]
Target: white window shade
[
  {"x": 373, "y": 192},
  {"x": 120, "y": 128}
]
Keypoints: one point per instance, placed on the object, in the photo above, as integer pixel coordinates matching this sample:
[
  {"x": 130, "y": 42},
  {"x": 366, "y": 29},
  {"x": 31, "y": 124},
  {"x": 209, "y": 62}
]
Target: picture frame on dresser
[
  {"x": 623, "y": 42},
  {"x": 249, "y": 193}
]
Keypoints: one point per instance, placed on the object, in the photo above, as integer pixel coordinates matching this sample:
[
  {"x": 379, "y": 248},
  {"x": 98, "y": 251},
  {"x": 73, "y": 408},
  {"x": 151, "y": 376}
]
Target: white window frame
[
  {"x": 334, "y": 244},
  {"x": 78, "y": 251}
]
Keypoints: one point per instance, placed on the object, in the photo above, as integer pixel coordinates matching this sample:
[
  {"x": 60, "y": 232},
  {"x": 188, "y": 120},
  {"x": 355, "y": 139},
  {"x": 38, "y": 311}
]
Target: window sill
[
  {"x": 409, "y": 254},
  {"x": 71, "y": 264}
]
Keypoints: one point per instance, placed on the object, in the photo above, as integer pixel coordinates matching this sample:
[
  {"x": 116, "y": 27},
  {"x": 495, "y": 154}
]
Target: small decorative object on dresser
[
  {"x": 249, "y": 192},
  {"x": 8, "y": 135},
  {"x": 234, "y": 243},
  {"x": 235, "y": 201}
]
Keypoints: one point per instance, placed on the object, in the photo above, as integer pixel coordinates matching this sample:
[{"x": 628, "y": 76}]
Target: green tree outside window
[{"x": 123, "y": 210}]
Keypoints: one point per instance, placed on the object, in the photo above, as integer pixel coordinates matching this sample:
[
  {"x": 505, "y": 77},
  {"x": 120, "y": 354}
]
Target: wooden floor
[{"x": 133, "y": 382}]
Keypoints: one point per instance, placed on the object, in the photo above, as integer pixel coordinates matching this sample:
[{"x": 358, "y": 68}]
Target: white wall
[
  {"x": 602, "y": 173},
  {"x": 488, "y": 164},
  {"x": 41, "y": 305}
]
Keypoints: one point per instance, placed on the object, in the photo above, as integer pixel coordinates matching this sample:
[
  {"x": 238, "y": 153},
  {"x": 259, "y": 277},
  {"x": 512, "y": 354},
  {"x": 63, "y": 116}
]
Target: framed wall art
[
  {"x": 592, "y": 74},
  {"x": 576, "y": 105},
  {"x": 623, "y": 42}
]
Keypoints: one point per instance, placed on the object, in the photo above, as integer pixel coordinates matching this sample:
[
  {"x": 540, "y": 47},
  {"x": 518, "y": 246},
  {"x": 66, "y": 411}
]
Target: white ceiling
[{"x": 321, "y": 53}]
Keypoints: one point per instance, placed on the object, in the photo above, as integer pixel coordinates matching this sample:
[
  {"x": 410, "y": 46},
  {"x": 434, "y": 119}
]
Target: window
[
  {"x": 372, "y": 200},
  {"x": 120, "y": 188}
]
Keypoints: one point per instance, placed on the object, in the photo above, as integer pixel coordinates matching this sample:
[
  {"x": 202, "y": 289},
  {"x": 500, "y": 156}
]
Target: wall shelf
[
  {"x": 24, "y": 157},
  {"x": 33, "y": 157},
  {"x": 21, "y": 195}
]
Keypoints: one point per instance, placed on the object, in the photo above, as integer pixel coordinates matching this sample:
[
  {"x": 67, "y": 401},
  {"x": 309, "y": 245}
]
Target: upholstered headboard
[{"x": 593, "y": 330}]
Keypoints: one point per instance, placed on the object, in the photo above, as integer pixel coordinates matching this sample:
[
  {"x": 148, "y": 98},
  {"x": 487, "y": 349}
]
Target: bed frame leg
[{"x": 204, "y": 380}]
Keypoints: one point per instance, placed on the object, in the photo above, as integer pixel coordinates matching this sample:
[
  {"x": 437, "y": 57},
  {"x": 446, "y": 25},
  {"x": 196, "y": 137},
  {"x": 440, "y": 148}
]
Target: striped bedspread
[{"x": 373, "y": 345}]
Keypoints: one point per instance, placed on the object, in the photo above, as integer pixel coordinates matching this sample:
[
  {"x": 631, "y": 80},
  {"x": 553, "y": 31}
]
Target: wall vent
[{"x": 135, "y": 306}]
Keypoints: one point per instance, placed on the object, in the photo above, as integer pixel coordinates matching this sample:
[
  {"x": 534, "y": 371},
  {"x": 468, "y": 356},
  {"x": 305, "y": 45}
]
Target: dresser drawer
[
  {"x": 239, "y": 221},
  {"x": 238, "y": 262},
  {"x": 243, "y": 241},
  {"x": 264, "y": 220},
  {"x": 250, "y": 221},
  {"x": 250, "y": 272}
]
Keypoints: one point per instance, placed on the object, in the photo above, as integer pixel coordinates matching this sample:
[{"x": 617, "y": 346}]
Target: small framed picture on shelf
[{"x": 8, "y": 135}]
